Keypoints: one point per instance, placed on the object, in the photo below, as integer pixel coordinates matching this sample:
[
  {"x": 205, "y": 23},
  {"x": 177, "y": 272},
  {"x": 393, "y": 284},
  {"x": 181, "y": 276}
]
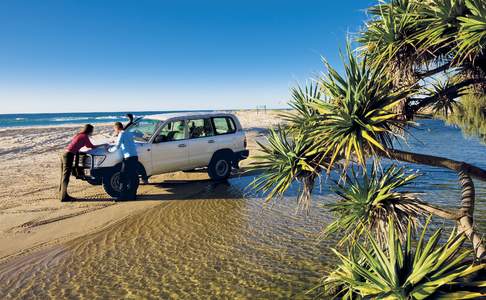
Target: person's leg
[
  {"x": 124, "y": 179},
  {"x": 67, "y": 166},
  {"x": 133, "y": 177},
  {"x": 61, "y": 176}
]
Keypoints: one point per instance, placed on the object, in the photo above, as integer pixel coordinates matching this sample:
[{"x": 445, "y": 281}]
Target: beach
[
  {"x": 32, "y": 217},
  {"x": 186, "y": 237}
]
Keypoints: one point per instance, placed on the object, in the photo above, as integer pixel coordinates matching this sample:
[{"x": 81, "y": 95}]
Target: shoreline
[{"x": 106, "y": 123}]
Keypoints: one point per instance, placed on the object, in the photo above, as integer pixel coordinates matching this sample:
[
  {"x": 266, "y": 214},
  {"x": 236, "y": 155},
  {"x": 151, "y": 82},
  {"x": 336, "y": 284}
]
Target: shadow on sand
[{"x": 203, "y": 189}]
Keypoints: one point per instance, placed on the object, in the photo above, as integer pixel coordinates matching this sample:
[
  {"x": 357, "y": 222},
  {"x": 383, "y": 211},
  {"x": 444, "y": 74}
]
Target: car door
[
  {"x": 224, "y": 129},
  {"x": 201, "y": 141},
  {"x": 169, "y": 148}
]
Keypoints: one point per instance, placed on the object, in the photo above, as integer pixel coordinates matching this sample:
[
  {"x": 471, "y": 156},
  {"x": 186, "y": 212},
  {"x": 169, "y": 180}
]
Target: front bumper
[{"x": 84, "y": 169}]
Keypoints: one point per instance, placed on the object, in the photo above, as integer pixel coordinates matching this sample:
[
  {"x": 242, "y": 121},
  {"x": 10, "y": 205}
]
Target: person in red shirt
[{"x": 79, "y": 141}]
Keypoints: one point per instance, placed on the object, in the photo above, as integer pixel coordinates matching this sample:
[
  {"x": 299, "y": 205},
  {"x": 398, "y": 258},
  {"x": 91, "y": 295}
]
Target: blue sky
[{"x": 96, "y": 55}]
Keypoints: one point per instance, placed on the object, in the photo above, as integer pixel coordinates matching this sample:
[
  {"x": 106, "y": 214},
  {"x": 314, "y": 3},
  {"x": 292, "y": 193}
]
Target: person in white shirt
[{"x": 128, "y": 172}]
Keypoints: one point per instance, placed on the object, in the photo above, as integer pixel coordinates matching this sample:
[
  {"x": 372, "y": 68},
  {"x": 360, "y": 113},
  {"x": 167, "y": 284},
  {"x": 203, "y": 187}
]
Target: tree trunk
[
  {"x": 304, "y": 199},
  {"x": 465, "y": 222},
  {"x": 435, "y": 161},
  {"x": 465, "y": 217}
]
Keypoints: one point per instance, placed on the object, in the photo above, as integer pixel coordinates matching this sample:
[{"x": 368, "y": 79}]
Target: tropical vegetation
[
  {"x": 411, "y": 57},
  {"x": 410, "y": 269}
]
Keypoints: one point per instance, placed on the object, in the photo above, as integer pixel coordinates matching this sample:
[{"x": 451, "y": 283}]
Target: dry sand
[{"x": 32, "y": 217}]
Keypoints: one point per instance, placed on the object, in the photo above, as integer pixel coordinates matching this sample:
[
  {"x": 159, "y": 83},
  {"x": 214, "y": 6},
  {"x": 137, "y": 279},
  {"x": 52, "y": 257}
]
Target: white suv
[{"x": 171, "y": 142}]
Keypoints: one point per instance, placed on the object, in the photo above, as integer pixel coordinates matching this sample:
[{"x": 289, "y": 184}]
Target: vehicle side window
[
  {"x": 172, "y": 131},
  {"x": 224, "y": 125},
  {"x": 199, "y": 128}
]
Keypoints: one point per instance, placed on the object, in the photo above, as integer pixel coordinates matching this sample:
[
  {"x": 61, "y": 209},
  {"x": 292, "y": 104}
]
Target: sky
[{"x": 101, "y": 55}]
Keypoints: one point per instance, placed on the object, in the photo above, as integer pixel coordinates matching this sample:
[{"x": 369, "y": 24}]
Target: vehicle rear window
[{"x": 224, "y": 125}]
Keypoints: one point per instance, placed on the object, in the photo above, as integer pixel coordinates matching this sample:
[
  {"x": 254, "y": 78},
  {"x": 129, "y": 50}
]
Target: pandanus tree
[
  {"x": 412, "y": 55},
  {"x": 421, "y": 40},
  {"x": 412, "y": 268},
  {"x": 354, "y": 120}
]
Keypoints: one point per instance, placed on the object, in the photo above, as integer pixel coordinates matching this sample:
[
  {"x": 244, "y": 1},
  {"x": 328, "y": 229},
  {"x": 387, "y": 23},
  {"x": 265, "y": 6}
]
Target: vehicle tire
[
  {"x": 111, "y": 183},
  {"x": 220, "y": 167}
]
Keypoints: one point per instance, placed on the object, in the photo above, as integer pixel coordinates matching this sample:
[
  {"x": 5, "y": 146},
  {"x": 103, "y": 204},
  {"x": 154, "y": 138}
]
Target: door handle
[
  {"x": 210, "y": 141},
  {"x": 182, "y": 145},
  {"x": 148, "y": 150}
]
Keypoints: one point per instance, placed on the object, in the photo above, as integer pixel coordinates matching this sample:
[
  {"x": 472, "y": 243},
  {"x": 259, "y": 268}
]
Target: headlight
[{"x": 98, "y": 160}]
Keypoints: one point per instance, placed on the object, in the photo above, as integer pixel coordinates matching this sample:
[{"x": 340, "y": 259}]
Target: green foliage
[
  {"x": 303, "y": 114},
  {"x": 444, "y": 103},
  {"x": 410, "y": 35},
  {"x": 285, "y": 160},
  {"x": 471, "y": 40},
  {"x": 358, "y": 119},
  {"x": 439, "y": 26},
  {"x": 470, "y": 115},
  {"x": 423, "y": 269},
  {"x": 388, "y": 38},
  {"x": 368, "y": 201}
]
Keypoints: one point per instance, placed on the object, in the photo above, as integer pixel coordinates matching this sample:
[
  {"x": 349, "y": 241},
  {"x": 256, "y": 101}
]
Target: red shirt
[{"x": 79, "y": 141}]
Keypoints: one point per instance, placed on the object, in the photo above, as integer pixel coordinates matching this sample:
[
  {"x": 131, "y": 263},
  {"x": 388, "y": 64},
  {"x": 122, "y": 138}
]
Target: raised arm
[{"x": 117, "y": 143}]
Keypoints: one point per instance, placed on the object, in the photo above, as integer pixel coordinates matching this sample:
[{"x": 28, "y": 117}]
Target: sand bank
[{"x": 30, "y": 214}]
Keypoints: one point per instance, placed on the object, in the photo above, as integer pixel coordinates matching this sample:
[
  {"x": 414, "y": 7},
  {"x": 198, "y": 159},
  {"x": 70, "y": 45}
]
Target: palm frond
[
  {"x": 286, "y": 158},
  {"x": 444, "y": 104},
  {"x": 408, "y": 269},
  {"x": 367, "y": 201},
  {"x": 358, "y": 119},
  {"x": 302, "y": 113},
  {"x": 471, "y": 39},
  {"x": 388, "y": 39}
]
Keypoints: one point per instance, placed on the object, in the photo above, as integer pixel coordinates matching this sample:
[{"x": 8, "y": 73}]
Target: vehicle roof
[{"x": 163, "y": 117}]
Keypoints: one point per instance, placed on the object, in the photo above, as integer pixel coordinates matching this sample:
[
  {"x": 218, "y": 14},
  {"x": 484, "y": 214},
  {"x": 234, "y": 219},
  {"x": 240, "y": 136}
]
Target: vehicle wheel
[
  {"x": 111, "y": 184},
  {"x": 220, "y": 167}
]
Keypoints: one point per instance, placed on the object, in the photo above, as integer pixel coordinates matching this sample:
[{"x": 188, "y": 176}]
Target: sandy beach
[{"x": 31, "y": 215}]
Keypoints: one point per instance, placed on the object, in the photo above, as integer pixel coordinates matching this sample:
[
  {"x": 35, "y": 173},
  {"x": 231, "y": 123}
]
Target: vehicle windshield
[{"x": 144, "y": 128}]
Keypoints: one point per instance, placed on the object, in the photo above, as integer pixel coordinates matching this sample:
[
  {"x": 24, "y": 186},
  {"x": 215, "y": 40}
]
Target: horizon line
[{"x": 143, "y": 111}]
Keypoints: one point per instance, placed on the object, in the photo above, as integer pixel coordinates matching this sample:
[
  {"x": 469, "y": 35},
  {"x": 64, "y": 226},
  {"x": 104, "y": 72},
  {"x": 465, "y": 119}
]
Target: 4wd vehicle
[{"x": 171, "y": 142}]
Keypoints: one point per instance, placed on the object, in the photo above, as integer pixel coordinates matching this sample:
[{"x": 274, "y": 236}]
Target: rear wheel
[{"x": 220, "y": 167}]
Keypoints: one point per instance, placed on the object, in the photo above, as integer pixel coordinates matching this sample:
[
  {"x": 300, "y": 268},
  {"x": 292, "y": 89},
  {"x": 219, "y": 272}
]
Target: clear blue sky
[{"x": 96, "y": 55}]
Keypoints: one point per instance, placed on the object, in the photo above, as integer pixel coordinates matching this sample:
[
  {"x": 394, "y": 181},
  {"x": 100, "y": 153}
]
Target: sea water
[{"x": 49, "y": 119}]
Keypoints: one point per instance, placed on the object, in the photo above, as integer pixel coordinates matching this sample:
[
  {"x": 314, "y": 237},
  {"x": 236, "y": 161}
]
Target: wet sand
[{"x": 216, "y": 244}]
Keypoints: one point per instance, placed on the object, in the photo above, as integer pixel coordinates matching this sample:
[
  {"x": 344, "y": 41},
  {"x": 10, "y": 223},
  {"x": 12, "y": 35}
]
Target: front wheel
[
  {"x": 219, "y": 168},
  {"x": 111, "y": 184}
]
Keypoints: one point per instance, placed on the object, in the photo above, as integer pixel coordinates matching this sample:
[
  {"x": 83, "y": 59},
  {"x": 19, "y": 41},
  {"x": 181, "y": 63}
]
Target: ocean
[{"x": 43, "y": 119}]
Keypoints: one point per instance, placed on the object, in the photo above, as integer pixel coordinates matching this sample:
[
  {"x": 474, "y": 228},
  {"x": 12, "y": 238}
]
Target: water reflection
[{"x": 470, "y": 117}]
